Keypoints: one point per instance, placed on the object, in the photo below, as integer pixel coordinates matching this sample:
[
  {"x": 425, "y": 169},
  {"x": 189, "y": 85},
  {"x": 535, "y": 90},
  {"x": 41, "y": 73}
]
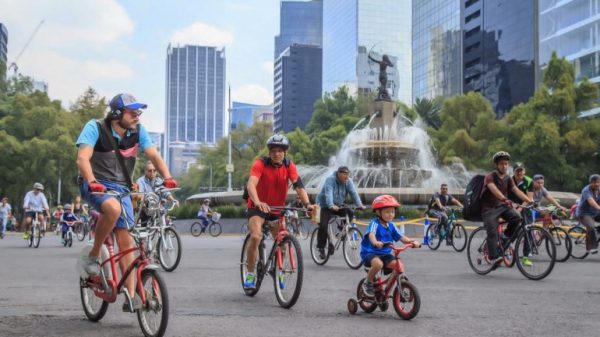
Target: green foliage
[{"x": 429, "y": 110}]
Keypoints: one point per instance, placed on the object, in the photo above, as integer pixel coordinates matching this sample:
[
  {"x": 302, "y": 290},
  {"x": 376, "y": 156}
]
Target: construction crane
[{"x": 13, "y": 65}]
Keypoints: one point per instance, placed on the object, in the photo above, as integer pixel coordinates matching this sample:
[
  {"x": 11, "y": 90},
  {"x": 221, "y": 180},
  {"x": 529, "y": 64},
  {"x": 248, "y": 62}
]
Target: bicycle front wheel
[
  {"x": 458, "y": 235},
  {"x": 215, "y": 229},
  {"x": 81, "y": 232},
  {"x": 477, "y": 253},
  {"x": 196, "y": 229},
  {"x": 314, "y": 251},
  {"x": 169, "y": 250},
  {"x": 37, "y": 236},
  {"x": 154, "y": 314},
  {"x": 69, "y": 239},
  {"x": 288, "y": 272},
  {"x": 304, "y": 229},
  {"x": 539, "y": 249},
  {"x": 433, "y": 236},
  {"x": 562, "y": 242},
  {"x": 351, "y": 248},
  {"x": 407, "y": 301},
  {"x": 578, "y": 236},
  {"x": 93, "y": 306}
]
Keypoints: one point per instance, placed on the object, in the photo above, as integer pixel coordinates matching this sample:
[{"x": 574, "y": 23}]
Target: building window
[
  {"x": 470, "y": 2},
  {"x": 472, "y": 16},
  {"x": 473, "y": 31}
]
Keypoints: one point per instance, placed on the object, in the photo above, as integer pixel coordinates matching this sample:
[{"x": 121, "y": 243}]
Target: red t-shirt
[{"x": 273, "y": 182}]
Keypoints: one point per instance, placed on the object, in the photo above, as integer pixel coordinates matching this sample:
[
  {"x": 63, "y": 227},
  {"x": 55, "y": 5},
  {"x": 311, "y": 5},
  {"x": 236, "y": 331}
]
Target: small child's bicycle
[
  {"x": 404, "y": 295},
  {"x": 68, "y": 238}
]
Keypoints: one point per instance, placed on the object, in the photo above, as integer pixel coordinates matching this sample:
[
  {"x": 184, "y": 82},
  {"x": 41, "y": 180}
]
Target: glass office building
[
  {"x": 3, "y": 45},
  {"x": 353, "y": 29},
  {"x": 500, "y": 58},
  {"x": 300, "y": 22},
  {"x": 195, "y": 101},
  {"x": 436, "y": 48}
]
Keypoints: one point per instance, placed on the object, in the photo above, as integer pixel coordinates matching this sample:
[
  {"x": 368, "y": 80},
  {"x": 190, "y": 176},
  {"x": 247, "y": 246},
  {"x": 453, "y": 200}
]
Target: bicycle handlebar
[{"x": 398, "y": 250}]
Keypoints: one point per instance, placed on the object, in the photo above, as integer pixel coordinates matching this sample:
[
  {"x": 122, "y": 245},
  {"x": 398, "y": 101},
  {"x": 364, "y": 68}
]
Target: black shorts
[
  {"x": 385, "y": 258},
  {"x": 31, "y": 214},
  {"x": 257, "y": 212}
]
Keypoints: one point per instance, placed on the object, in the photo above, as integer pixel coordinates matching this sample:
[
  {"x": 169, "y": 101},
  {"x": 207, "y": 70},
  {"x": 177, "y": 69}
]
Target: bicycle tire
[
  {"x": 477, "y": 254},
  {"x": 37, "y": 237},
  {"x": 162, "y": 258},
  {"x": 215, "y": 229},
  {"x": 543, "y": 253},
  {"x": 80, "y": 232},
  {"x": 314, "y": 251},
  {"x": 407, "y": 293},
  {"x": 157, "y": 303},
  {"x": 562, "y": 242},
  {"x": 367, "y": 307},
  {"x": 258, "y": 270},
  {"x": 93, "y": 312},
  {"x": 304, "y": 229},
  {"x": 286, "y": 272},
  {"x": 196, "y": 229},
  {"x": 244, "y": 230},
  {"x": 30, "y": 240},
  {"x": 351, "y": 248},
  {"x": 578, "y": 236},
  {"x": 433, "y": 237},
  {"x": 69, "y": 239},
  {"x": 459, "y": 238}
]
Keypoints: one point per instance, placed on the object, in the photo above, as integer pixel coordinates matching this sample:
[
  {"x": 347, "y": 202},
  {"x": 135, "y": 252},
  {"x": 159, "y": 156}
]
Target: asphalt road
[{"x": 39, "y": 296}]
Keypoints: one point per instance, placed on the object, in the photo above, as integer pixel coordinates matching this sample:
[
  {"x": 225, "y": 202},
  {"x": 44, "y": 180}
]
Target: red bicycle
[
  {"x": 396, "y": 286},
  {"x": 98, "y": 291}
]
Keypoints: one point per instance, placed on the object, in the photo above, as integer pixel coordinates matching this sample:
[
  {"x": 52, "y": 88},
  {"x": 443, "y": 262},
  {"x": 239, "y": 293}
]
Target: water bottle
[{"x": 425, "y": 227}]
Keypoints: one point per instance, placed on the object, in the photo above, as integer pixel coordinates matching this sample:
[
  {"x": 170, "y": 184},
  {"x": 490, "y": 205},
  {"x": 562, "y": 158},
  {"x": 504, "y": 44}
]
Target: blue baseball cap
[{"x": 122, "y": 101}]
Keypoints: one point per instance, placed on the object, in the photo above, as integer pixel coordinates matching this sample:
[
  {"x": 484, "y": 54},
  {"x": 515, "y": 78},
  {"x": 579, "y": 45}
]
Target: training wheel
[{"x": 352, "y": 306}]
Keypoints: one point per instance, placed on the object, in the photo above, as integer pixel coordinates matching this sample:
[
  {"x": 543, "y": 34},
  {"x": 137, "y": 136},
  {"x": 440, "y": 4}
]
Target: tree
[{"x": 429, "y": 110}]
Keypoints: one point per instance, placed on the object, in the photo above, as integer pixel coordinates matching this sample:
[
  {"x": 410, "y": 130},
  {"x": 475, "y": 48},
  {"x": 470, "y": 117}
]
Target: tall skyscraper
[
  {"x": 297, "y": 86},
  {"x": 571, "y": 29},
  {"x": 195, "y": 102},
  {"x": 3, "y": 45},
  {"x": 300, "y": 22},
  {"x": 500, "y": 50},
  {"x": 436, "y": 47},
  {"x": 355, "y": 29}
]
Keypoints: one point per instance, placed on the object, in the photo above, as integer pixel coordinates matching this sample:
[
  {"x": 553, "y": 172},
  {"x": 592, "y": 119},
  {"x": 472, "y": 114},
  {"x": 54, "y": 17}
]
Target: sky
[{"x": 121, "y": 46}]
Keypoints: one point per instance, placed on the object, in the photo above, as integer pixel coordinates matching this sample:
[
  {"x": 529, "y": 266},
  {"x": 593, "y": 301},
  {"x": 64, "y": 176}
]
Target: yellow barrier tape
[{"x": 414, "y": 222}]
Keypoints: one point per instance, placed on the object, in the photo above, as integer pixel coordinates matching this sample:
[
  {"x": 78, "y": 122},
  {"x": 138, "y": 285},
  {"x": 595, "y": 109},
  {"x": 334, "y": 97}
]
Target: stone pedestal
[{"x": 385, "y": 112}]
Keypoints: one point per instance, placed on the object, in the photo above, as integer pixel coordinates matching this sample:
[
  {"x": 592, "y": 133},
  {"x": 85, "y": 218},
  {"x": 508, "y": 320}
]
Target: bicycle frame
[
  {"x": 347, "y": 225},
  {"x": 276, "y": 253},
  {"x": 393, "y": 280}
]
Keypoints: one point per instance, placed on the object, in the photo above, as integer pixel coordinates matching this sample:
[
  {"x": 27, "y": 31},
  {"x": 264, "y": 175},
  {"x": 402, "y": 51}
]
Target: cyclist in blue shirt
[{"x": 374, "y": 253}]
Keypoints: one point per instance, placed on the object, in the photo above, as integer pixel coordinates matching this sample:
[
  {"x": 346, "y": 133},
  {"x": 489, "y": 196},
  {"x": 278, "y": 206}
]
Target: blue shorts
[
  {"x": 97, "y": 200},
  {"x": 386, "y": 258}
]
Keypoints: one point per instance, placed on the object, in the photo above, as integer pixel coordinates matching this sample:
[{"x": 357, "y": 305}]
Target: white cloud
[
  {"x": 268, "y": 67},
  {"x": 252, "y": 93},
  {"x": 200, "y": 33}
]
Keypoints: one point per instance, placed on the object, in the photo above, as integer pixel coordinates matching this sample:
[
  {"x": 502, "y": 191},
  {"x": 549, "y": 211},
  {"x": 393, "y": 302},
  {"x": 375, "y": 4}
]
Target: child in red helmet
[{"x": 374, "y": 253}]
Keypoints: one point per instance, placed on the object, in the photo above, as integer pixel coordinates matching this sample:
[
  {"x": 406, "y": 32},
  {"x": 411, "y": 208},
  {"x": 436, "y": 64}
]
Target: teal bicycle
[{"x": 454, "y": 234}]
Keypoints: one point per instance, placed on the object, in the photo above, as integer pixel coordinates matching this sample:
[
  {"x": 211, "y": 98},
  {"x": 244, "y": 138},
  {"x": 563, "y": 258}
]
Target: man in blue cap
[{"x": 100, "y": 169}]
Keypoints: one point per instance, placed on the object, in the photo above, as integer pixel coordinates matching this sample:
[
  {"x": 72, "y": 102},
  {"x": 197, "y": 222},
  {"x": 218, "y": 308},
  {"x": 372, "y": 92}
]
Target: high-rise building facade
[
  {"x": 436, "y": 48},
  {"x": 300, "y": 22},
  {"x": 500, "y": 50},
  {"x": 355, "y": 29},
  {"x": 572, "y": 30},
  {"x": 247, "y": 114},
  {"x": 297, "y": 86},
  {"x": 3, "y": 45},
  {"x": 195, "y": 102}
]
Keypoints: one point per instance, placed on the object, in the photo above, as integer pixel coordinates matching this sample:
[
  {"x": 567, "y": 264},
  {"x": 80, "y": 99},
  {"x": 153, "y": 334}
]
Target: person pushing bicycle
[
  {"x": 101, "y": 168},
  {"x": 381, "y": 231},
  {"x": 268, "y": 186},
  {"x": 333, "y": 194}
]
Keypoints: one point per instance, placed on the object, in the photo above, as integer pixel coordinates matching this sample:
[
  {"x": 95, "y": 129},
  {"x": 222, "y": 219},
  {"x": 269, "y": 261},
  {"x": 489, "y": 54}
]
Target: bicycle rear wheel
[
  {"x": 289, "y": 271},
  {"x": 215, "y": 229},
  {"x": 434, "y": 238},
  {"x": 578, "y": 235},
  {"x": 314, "y": 251},
  {"x": 244, "y": 230},
  {"x": 258, "y": 270},
  {"x": 94, "y": 307},
  {"x": 562, "y": 242},
  {"x": 542, "y": 253},
  {"x": 477, "y": 253},
  {"x": 154, "y": 314},
  {"x": 367, "y": 306},
  {"x": 459, "y": 238},
  {"x": 351, "y": 248},
  {"x": 196, "y": 229},
  {"x": 169, "y": 250},
  {"x": 407, "y": 301}
]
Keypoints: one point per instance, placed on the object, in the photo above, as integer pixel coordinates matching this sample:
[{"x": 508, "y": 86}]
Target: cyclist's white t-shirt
[
  {"x": 4, "y": 210},
  {"x": 35, "y": 203}
]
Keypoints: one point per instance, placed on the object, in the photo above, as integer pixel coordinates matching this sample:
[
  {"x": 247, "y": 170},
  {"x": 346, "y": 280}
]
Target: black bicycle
[
  {"x": 455, "y": 236},
  {"x": 531, "y": 242},
  {"x": 578, "y": 236}
]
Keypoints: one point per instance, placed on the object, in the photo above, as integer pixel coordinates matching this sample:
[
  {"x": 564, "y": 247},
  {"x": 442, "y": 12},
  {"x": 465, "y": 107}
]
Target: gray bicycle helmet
[
  {"x": 278, "y": 141},
  {"x": 68, "y": 206},
  {"x": 501, "y": 155},
  {"x": 38, "y": 186}
]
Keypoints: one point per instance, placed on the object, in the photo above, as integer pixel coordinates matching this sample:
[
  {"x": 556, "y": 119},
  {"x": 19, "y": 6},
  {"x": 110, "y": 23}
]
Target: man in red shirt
[{"x": 268, "y": 186}]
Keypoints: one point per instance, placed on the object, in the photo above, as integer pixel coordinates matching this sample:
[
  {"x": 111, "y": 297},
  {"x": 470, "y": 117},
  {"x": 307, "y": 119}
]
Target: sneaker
[
  {"x": 593, "y": 251},
  {"x": 496, "y": 262},
  {"x": 136, "y": 302},
  {"x": 62, "y": 242},
  {"x": 26, "y": 235},
  {"x": 281, "y": 281},
  {"x": 90, "y": 265},
  {"x": 367, "y": 288},
  {"x": 322, "y": 254},
  {"x": 250, "y": 282},
  {"x": 526, "y": 262},
  {"x": 331, "y": 249}
]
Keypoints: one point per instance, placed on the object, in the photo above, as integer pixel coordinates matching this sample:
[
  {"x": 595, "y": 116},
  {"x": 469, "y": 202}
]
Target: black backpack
[{"x": 473, "y": 194}]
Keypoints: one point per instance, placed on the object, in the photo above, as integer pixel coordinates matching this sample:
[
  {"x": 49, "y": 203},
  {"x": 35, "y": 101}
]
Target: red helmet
[{"x": 383, "y": 201}]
